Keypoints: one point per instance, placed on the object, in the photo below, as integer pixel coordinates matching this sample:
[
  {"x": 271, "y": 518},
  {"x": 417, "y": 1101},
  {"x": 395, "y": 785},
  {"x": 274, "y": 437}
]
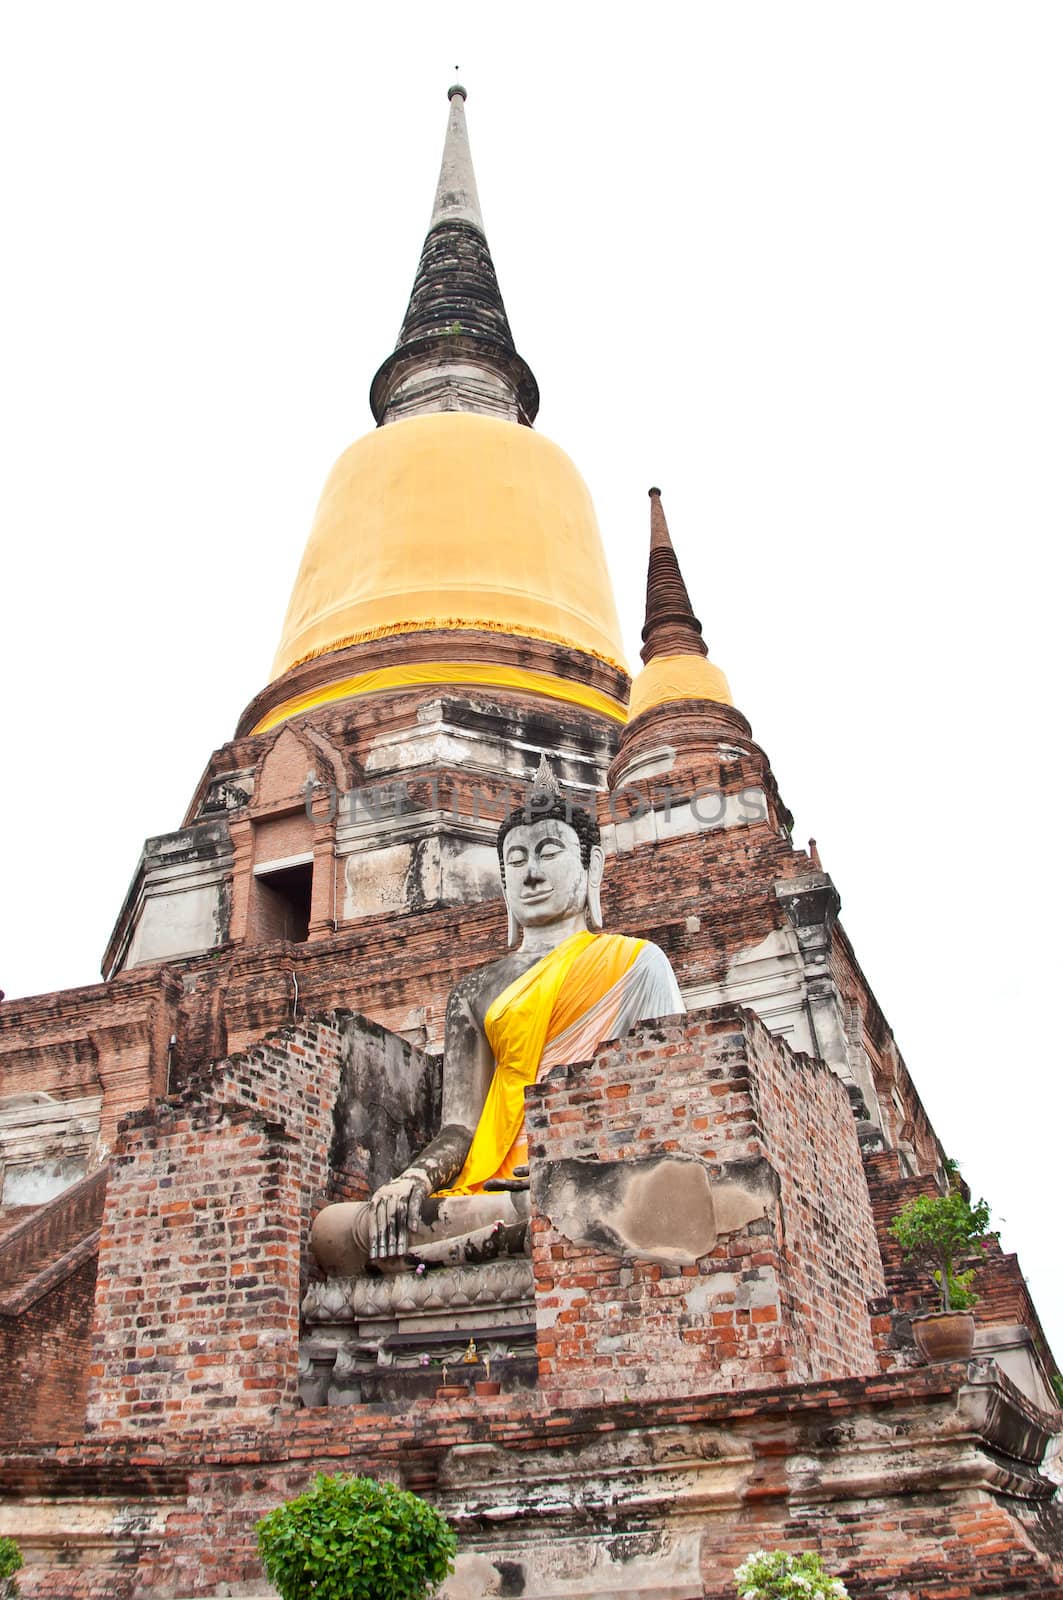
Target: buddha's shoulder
[
  {"x": 484, "y": 984},
  {"x": 645, "y": 951},
  {"x": 652, "y": 955}
]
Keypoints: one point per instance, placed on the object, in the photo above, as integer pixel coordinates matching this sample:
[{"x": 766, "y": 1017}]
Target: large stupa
[{"x": 704, "y": 1334}]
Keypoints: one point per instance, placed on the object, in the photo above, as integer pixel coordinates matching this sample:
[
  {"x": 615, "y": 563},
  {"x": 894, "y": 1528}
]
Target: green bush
[
  {"x": 10, "y": 1563},
  {"x": 778, "y": 1576},
  {"x": 939, "y": 1230},
  {"x": 356, "y": 1539}
]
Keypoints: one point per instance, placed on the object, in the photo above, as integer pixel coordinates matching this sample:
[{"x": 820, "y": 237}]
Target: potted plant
[
  {"x": 356, "y": 1539},
  {"x": 940, "y": 1231},
  {"x": 775, "y": 1575}
]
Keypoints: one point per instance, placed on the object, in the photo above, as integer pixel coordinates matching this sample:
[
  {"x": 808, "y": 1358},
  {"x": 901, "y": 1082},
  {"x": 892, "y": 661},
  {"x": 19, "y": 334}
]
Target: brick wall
[
  {"x": 204, "y": 1241},
  {"x": 47, "y": 1232},
  {"x": 831, "y": 1250},
  {"x": 888, "y": 1548},
  {"x": 203, "y": 1237},
  {"x": 920, "y": 1484},
  {"x": 197, "y": 1300},
  {"x": 784, "y": 1297},
  {"x": 292, "y": 1080},
  {"x": 109, "y": 1038}
]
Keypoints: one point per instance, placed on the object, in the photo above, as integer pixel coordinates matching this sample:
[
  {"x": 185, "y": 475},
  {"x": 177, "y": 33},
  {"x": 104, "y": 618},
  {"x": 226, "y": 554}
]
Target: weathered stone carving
[
  {"x": 451, "y": 1288},
  {"x": 564, "y": 988}
]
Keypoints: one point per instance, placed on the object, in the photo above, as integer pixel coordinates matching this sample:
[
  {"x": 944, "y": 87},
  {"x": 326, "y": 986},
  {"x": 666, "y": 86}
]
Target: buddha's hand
[{"x": 396, "y": 1213}]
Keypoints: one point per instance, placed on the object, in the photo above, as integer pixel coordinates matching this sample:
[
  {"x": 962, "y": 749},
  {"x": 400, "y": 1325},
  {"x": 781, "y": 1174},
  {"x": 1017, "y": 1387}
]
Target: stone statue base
[{"x": 362, "y": 1331}]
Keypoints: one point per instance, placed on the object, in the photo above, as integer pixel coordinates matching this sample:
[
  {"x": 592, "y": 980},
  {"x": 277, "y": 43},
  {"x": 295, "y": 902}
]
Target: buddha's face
[{"x": 543, "y": 875}]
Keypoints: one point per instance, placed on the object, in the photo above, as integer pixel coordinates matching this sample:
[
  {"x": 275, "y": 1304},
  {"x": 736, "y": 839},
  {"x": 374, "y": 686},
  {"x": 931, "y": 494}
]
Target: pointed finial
[
  {"x": 456, "y": 197},
  {"x": 660, "y": 538},
  {"x": 671, "y": 627},
  {"x": 455, "y": 349},
  {"x": 545, "y": 788}
]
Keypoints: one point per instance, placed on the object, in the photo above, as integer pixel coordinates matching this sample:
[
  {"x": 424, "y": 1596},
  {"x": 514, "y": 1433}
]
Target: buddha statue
[{"x": 563, "y": 988}]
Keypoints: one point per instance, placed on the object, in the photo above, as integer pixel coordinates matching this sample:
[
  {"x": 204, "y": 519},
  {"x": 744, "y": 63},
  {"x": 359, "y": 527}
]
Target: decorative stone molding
[{"x": 405, "y": 1294}]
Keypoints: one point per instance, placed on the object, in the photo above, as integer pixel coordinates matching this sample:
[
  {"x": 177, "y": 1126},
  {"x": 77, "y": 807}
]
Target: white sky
[{"x": 799, "y": 264}]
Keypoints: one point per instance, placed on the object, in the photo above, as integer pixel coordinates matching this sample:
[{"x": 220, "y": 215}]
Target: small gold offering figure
[{"x": 470, "y": 1358}]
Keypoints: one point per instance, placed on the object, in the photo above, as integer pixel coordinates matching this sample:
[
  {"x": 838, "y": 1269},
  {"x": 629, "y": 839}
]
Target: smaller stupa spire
[
  {"x": 671, "y": 628},
  {"x": 677, "y": 670}
]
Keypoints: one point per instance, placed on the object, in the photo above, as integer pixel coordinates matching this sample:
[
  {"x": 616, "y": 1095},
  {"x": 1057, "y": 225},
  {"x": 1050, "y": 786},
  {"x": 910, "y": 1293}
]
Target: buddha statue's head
[{"x": 551, "y": 859}]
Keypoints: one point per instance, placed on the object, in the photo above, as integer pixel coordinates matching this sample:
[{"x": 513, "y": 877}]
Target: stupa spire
[
  {"x": 677, "y": 670},
  {"x": 455, "y": 350},
  {"x": 671, "y": 628},
  {"x": 456, "y": 196}
]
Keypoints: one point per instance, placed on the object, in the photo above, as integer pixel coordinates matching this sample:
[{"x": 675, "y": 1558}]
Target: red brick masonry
[
  {"x": 783, "y": 1299},
  {"x": 919, "y": 1484}
]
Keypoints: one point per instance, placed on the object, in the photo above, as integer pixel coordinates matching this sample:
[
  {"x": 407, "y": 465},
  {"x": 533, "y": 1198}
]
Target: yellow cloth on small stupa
[{"x": 538, "y": 1006}]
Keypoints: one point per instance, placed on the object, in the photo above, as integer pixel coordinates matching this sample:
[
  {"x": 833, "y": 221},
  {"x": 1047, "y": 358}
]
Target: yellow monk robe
[{"x": 521, "y": 1022}]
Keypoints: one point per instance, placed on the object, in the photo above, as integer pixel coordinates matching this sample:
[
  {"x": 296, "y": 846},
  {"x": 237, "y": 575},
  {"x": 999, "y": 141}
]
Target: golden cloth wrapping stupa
[{"x": 452, "y": 520}]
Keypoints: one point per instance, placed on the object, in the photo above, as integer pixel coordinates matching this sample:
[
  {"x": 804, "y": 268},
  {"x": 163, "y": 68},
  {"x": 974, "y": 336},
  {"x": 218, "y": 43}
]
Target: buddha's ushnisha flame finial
[
  {"x": 545, "y": 788},
  {"x": 671, "y": 628}
]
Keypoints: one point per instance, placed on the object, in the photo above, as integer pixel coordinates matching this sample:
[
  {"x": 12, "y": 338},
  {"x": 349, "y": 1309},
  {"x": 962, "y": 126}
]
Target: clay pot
[
  {"x": 452, "y": 1391},
  {"x": 944, "y": 1335},
  {"x": 487, "y": 1386}
]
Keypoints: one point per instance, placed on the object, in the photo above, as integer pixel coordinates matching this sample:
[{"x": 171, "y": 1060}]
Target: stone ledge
[{"x": 532, "y": 1421}]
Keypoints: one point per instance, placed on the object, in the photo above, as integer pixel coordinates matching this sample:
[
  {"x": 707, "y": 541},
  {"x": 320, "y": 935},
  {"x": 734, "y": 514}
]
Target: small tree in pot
[
  {"x": 356, "y": 1539},
  {"x": 940, "y": 1231}
]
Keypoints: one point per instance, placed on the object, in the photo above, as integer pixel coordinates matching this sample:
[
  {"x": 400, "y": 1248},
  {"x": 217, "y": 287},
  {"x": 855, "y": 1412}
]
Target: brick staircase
[
  {"x": 48, "y": 1242},
  {"x": 11, "y": 1216}
]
